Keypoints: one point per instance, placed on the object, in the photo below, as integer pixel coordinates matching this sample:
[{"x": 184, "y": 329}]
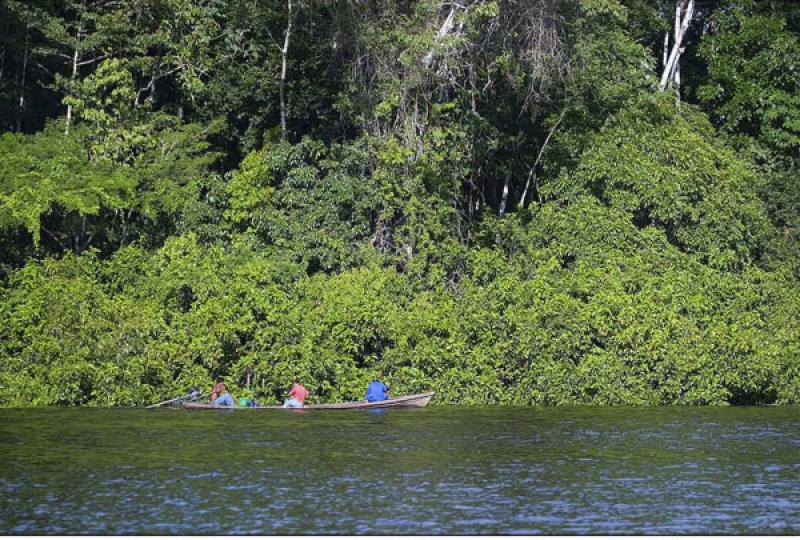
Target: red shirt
[{"x": 299, "y": 392}]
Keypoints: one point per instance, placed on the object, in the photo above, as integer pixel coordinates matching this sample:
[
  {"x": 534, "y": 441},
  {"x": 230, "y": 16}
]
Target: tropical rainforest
[{"x": 526, "y": 202}]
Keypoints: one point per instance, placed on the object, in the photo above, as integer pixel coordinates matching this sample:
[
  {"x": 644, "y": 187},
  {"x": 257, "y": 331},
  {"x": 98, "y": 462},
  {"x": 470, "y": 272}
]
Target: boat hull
[{"x": 415, "y": 400}]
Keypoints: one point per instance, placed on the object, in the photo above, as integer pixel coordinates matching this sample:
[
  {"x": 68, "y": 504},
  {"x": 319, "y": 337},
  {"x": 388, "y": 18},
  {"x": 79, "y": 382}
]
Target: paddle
[{"x": 193, "y": 394}]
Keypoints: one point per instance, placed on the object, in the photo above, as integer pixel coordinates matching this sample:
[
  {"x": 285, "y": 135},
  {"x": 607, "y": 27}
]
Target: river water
[{"x": 439, "y": 470}]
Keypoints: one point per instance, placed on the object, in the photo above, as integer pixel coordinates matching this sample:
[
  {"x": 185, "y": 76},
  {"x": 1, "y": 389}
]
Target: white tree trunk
[
  {"x": 74, "y": 75},
  {"x": 504, "y": 199},
  {"x": 676, "y": 79},
  {"x": 532, "y": 173},
  {"x": 284, "y": 62},
  {"x": 26, "y": 54},
  {"x": 681, "y": 25},
  {"x": 446, "y": 28}
]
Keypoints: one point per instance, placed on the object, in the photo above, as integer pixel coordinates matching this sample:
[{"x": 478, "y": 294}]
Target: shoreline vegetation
[{"x": 531, "y": 203}]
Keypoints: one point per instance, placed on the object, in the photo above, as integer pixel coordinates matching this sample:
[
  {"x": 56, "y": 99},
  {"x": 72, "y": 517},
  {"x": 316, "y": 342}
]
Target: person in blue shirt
[{"x": 376, "y": 391}]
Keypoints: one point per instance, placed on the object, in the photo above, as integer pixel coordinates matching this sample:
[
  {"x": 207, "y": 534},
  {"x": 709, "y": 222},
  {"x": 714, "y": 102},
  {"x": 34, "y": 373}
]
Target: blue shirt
[{"x": 376, "y": 391}]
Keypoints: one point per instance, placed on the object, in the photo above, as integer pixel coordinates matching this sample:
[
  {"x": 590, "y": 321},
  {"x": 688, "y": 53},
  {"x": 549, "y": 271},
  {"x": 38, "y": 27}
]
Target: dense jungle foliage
[{"x": 503, "y": 201}]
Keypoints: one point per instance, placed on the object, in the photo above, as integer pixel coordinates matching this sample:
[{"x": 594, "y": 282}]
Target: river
[{"x": 439, "y": 470}]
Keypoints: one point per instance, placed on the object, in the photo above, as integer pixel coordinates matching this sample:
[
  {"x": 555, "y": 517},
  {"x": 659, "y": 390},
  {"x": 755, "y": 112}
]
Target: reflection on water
[{"x": 446, "y": 470}]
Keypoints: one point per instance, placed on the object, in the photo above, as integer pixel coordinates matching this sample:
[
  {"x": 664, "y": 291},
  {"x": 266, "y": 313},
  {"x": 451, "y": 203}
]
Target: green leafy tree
[
  {"x": 753, "y": 86},
  {"x": 51, "y": 185},
  {"x": 308, "y": 200},
  {"x": 664, "y": 168}
]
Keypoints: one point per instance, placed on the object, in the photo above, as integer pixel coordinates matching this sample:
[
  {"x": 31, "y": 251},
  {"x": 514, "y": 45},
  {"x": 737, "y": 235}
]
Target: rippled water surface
[{"x": 435, "y": 470}]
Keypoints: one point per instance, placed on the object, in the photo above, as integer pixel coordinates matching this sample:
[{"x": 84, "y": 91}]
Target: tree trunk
[
  {"x": 284, "y": 62},
  {"x": 25, "y": 56},
  {"x": 676, "y": 78},
  {"x": 681, "y": 25},
  {"x": 74, "y": 75},
  {"x": 504, "y": 198},
  {"x": 444, "y": 30},
  {"x": 532, "y": 174}
]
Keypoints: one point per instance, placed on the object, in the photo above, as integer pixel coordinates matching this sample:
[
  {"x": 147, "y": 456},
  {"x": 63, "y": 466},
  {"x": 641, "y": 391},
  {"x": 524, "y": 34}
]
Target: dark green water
[{"x": 435, "y": 470}]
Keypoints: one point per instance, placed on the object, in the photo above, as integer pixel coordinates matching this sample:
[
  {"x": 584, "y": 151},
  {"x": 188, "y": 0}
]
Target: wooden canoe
[{"x": 416, "y": 400}]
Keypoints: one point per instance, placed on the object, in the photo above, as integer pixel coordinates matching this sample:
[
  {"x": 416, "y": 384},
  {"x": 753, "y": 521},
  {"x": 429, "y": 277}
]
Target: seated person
[
  {"x": 296, "y": 396},
  {"x": 376, "y": 391},
  {"x": 220, "y": 395}
]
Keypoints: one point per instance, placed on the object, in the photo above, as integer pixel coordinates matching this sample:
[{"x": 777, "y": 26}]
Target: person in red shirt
[{"x": 296, "y": 396}]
